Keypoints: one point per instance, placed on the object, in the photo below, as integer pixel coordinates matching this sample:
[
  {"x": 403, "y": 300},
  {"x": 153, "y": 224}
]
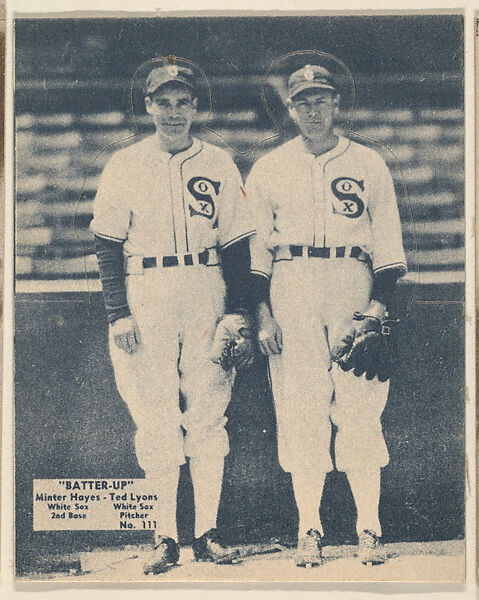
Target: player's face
[
  {"x": 314, "y": 111},
  {"x": 173, "y": 108}
]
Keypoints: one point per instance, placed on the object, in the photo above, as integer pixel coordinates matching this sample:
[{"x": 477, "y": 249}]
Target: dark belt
[
  {"x": 313, "y": 252},
  {"x": 150, "y": 262}
]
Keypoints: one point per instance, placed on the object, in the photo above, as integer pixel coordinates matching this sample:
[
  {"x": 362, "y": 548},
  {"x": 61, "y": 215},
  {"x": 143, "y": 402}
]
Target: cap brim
[
  {"x": 172, "y": 80},
  {"x": 306, "y": 85}
]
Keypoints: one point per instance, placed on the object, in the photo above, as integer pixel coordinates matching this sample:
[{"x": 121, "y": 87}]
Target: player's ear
[
  {"x": 149, "y": 105},
  {"x": 291, "y": 109},
  {"x": 336, "y": 101},
  {"x": 194, "y": 102}
]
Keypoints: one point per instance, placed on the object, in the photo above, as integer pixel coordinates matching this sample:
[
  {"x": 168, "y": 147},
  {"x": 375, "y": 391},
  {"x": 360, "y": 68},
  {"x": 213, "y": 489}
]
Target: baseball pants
[
  {"x": 312, "y": 300},
  {"x": 176, "y": 310}
]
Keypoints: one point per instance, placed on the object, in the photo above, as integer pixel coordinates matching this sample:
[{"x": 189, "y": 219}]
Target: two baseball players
[
  {"x": 328, "y": 244},
  {"x": 169, "y": 218}
]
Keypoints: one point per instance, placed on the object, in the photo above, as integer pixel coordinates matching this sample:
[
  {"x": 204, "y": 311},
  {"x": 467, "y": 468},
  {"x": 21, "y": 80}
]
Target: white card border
[{"x": 121, "y": 7}]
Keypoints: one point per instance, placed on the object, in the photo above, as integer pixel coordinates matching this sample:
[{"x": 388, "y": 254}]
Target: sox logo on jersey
[
  {"x": 351, "y": 194},
  {"x": 203, "y": 191},
  {"x": 160, "y": 204},
  {"x": 347, "y": 201}
]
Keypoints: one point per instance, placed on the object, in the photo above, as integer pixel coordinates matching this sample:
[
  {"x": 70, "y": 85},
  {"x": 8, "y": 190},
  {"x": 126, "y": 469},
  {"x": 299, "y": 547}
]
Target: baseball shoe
[
  {"x": 371, "y": 551},
  {"x": 209, "y": 548},
  {"x": 309, "y": 552},
  {"x": 166, "y": 554}
]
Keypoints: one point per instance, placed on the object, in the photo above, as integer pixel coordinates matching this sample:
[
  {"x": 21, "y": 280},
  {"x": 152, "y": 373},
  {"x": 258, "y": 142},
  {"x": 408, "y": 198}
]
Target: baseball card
[{"x": 239, "y": 297}]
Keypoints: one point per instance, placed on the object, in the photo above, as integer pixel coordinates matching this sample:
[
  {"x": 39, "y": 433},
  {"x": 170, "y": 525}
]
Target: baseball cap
[
  {"x": 310, "y": 76},
  {"x": 167, "y": 73}
]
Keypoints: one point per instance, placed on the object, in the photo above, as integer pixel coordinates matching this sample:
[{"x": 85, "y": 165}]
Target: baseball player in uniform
[
  {"x": 328, "y": 244},
  {"x": 168, "y": 210}
]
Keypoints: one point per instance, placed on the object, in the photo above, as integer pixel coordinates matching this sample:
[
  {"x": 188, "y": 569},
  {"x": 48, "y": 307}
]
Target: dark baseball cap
[
  {"x": 166, "y": 73},
  {"x": 310, "y": 76}
]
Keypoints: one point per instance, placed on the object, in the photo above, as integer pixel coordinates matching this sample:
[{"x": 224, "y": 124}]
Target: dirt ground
[{"x": 412, "y": 562}]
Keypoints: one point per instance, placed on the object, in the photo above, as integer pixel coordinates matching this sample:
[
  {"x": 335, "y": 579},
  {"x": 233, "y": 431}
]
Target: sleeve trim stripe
[
  {"x": 238, "y": 238},
  {"x": 119, "y": 313},
  {"x": 109, "y": 237},
  {"x": 116, "y": 306},
  {"x": 400, "y": 265},
  {"x": 262, "y": 273}
]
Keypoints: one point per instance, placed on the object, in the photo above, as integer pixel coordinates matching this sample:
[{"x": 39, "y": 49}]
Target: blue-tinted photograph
[{"x": 239, "y": 298}]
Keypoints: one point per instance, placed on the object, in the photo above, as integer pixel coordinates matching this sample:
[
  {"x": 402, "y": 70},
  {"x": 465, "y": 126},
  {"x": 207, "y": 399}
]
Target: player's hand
[
  {"x": 126, "y": 334},
  {"x": 376, "y": 309},
  {"x": 358, "y": 344},
  {"x": 233, "y": 342},
  {"x": 270, "y": 337},
  {"x": 351, "y": 329}
]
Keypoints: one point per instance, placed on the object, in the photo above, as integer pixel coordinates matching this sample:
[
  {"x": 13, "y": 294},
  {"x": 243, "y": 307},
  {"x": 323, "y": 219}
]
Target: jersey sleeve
[
  {"x": 388, "y": 250},
  {"x": 111, "y": 215},
  {"x": 261, "y": 255},
  {"x": 235, "y": 221}
]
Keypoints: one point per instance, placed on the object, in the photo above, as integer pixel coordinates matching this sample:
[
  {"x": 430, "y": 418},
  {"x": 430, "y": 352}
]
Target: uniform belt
[
  {"x": 336, "y": 252},
  {"x": 150, "y": 262},
  {"x": 136, "y": 264}
]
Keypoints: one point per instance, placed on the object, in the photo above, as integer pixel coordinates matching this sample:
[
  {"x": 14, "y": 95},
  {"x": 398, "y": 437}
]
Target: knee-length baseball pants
[
  {"x": 312, "y": 300},
  {"x": 176, "y": 310}
]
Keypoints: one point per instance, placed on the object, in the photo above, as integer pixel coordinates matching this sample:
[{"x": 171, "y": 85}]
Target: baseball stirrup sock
[
  {"x": 308, "y": 490},
  {"x": 166, "y": 488},
  {"x": 207, "y": 478},
  {"x": 366, "y": 489}
]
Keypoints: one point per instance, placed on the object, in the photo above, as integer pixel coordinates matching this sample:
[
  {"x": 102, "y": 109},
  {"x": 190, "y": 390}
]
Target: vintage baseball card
[{"x": 239, "y": 287}]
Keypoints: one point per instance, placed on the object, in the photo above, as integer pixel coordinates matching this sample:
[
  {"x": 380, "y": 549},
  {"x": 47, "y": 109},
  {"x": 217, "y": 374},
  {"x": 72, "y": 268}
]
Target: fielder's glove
[
  {"x": 369, "y": 347},
  {"x": 233, "y": 342}
]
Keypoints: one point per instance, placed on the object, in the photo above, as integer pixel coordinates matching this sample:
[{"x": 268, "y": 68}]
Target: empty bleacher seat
[
  {"x": 420, "y": 132},
  {"x": 24, "y": 121},
  {"x": 32, "y": 184},
  {"x": 419, "y": 174},
  {"x": 404, "y": 115},
  {"x": 102, "y": 139},
  {"x": 453, "y": 132},
  {"x": 34, "y": 236},
  {"x": 436, "y": 259},
  {"x": 404, "y": 153},
  {"x": 380, "y": 133},
  {"x": 109, "y": 118},
  {"x": 60, "y": 120},
  {"x": 441, "y": 114},
  {"x": 445, "y": 152},
  {"x": 53, "y": 161},
  {"x": 60, "y": 157},
  {"x": 52, "y": 268},
  {"x": 70, "y": 140},
  {"x": 438, "y": 228}
]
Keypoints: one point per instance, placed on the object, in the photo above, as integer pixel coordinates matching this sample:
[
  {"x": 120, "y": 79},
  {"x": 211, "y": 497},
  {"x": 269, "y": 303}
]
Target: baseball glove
[
  {"x": 233, "y": 342},
  {"x": 369, "y": 347}
]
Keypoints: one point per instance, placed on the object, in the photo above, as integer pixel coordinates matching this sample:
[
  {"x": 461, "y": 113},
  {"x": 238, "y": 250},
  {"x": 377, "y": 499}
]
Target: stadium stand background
[
  {"x": 72, "y": 99},
  {"x": 72, "y": 102}
]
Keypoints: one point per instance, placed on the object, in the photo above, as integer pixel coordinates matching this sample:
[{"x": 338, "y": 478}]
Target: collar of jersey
[
  {"x": 340, "y": 147},
  {"x": 183, "y": 155}
]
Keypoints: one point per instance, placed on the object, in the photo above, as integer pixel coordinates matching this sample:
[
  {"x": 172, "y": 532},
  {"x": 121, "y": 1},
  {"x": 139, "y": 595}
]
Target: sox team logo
[
  {"x": 172, "y": 70},
  {"x": 347, "y": 201},
  {"x": 204, "y": 191}
]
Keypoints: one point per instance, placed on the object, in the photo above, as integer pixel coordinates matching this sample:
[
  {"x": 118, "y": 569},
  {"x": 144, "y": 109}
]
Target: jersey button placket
[
  {"x": 319, "y": 203},
  {"x": 176, "y": 191}
]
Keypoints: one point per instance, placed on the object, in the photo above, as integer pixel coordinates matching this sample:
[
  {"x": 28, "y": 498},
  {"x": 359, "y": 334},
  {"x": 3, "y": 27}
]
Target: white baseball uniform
[
  {"x": 342, "y": 204},
  {"x": 168, "y": 209}
]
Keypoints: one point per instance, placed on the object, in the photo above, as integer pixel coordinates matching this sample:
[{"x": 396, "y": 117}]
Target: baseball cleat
[
  {"x": 371, "y": 551},
  {"x": 166, "y": 554},
  {"x": 309, "y": 552},
  {"x": 209, "y": 548}
]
